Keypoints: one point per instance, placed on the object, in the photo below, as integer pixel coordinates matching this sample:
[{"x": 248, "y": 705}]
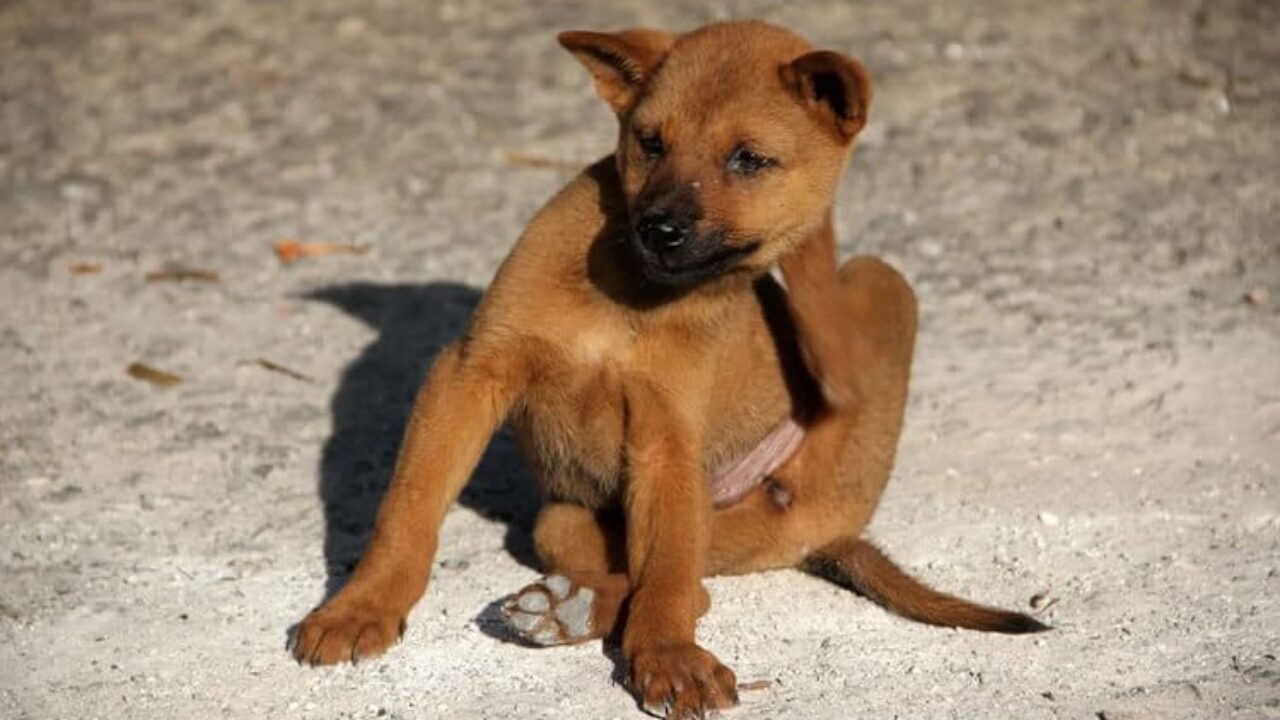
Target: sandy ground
[{"x": 1082, "y": 192}]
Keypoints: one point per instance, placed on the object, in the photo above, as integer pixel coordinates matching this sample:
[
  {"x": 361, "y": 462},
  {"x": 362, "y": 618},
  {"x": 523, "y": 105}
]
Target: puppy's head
[{"x": 733, "y": 140}]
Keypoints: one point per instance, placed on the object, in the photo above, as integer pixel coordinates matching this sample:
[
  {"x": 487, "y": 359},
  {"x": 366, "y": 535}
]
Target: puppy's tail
[{"x": 858, "y": 565}]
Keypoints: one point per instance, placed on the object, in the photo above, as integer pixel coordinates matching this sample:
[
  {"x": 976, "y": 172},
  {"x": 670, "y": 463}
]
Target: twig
[
  {"x": 179, "y": 274},
  {"x": 277, "y": 368}
]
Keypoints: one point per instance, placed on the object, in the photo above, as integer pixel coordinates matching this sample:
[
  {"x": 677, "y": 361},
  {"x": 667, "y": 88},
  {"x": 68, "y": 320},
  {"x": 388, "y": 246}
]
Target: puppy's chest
[{"x": 572, "y": 420}]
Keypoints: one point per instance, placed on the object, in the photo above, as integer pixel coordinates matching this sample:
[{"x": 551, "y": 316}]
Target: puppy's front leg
[
  {"x": 668, "y": 536},
  {"x": 815, "y": 297},
  {"x": 466, "y": 396}
]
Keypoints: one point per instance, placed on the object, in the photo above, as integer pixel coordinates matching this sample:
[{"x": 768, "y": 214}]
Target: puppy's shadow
[{"x": 370, "y": 409}]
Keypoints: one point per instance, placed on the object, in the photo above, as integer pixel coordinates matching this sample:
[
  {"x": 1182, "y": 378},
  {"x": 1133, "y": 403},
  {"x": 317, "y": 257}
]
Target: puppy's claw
[{"x": 659, "y": 710}]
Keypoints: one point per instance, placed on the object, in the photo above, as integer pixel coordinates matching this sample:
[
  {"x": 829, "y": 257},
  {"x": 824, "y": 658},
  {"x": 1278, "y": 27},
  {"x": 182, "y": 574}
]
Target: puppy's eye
[
  {"x": 743, "y": 161},
  {"x": 651, "y": 144}
]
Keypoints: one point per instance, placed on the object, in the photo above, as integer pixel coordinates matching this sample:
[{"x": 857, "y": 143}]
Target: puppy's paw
[
  {"x": 346, "y": 632},
  {"x": 553, "y": 611},
  {"x": 682, "y": 681}
]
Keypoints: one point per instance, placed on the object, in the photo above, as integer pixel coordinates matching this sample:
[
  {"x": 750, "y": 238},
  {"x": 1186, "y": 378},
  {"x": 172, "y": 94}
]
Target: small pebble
[{"x": 1049, "y": 519}]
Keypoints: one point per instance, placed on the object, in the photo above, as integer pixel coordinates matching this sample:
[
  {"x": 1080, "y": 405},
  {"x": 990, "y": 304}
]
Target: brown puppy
[{"x": 684, "y": 414}]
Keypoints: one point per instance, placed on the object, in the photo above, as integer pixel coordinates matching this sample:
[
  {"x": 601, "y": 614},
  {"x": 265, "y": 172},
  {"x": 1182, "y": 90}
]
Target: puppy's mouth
[{"x": 685, "y": 269}]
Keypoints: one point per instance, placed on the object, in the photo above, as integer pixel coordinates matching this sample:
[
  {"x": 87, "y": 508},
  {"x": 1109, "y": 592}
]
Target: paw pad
[{"x": 552, "y": 611}]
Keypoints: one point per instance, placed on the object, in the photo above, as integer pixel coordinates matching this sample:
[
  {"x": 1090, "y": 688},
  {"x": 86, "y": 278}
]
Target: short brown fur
[{"x": 626, "y": 391}]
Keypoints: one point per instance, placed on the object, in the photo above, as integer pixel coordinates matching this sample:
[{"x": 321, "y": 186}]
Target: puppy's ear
[
  {"x": 621, "y": 62},
  {"x": 834, "y": 87}
]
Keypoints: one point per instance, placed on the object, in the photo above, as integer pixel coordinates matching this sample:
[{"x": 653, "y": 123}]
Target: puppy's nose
[{"x": 662, "y": 231}]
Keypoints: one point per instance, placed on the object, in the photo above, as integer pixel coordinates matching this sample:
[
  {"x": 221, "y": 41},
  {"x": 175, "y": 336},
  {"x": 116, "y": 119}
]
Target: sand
[{"x": 1082, "y": 192}]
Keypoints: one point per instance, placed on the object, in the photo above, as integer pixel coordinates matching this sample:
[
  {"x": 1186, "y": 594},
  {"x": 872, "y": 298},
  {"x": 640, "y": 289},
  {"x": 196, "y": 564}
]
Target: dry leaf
[
  {"x": 539, "y": 161},
  {"x": 146, "y": 373},
  {"x": 85, "y": 268},
  {"x": 290, "y": 251}
]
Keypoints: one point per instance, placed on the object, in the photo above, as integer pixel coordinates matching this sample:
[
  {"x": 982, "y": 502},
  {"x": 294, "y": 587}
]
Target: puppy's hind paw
[{"x": 552, "y": 611}]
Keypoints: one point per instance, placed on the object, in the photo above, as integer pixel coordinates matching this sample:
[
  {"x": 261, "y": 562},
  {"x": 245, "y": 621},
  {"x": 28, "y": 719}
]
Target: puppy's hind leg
[
  {"x": 582, "y": 595},
  {"x": 855, "y": 330}
]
